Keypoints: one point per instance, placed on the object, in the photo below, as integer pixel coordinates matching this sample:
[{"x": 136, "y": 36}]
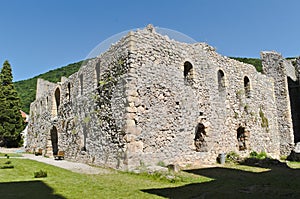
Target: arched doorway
[
  {"x": 243, "y": 138},
  {"x": 199, "y": 141},
  {"x": 54, "y": 140}
]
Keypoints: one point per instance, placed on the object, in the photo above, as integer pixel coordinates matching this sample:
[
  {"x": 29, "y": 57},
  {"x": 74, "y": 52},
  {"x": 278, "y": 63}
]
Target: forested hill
[{"x": 27, "y": 88}]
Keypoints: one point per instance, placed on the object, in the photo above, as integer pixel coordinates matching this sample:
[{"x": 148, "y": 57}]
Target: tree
[{"x": 11, "y": 121}]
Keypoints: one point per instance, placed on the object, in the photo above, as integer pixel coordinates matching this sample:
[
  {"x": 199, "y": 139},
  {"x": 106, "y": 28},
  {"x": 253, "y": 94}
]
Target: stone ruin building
[{"x": 151, "y": 99}]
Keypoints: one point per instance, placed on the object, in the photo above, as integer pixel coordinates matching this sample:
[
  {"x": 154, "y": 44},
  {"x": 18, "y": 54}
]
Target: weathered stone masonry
[{"x": 150, "y": 99}]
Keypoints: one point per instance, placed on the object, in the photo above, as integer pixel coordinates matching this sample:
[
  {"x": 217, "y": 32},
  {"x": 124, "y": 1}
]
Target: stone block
[
  {"x": 135, "y": 147},
  {"x": 134, "y": 130},
  {"x": 131, "y": 109},
  {"x": 130, "y": 123}
]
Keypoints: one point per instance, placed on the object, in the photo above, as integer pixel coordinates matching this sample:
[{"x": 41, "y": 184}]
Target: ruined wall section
[
  {"x": 250, "y": 107},
  {"x": 145, "y": 99},
  {"x": 41, "y": 116},
  {"x": 83, "y": 123},
  {"x": 94, "y": 131},
  {"x": 294, "y": 92},
  {"x": 274, "y": 66},
  {"x": 166, "y": 108}
]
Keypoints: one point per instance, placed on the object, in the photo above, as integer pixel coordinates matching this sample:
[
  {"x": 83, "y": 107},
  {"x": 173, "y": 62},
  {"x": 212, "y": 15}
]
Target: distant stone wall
[
  {"x": 150, "y": 99},
  {"x": 275, "y": 66}
]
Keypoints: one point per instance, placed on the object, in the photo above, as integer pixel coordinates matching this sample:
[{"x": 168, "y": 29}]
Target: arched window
[
  {"x": 97, "y": 69},
  {"x": 187, "y": 72},
  {"x": 69, "y": 91},
  {"x": 247, "y": 87},
  {"x": 41, "y": 106},
  {"x": 57, "y": 99},
  {"x": 221, "y": 80}
]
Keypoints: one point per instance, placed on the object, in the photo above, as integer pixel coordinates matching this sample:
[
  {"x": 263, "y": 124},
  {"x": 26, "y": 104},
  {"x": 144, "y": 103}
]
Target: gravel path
[{"x": 72, "y": 166}]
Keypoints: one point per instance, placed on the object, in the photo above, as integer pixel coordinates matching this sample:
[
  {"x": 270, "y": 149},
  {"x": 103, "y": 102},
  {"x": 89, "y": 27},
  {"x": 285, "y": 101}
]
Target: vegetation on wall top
[{"x": 27, "y": 88}]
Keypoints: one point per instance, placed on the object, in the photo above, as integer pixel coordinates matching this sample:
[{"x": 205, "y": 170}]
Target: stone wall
[
  {"x": 168, "y": 108},
  {"x": 150, "y": 99},
  {"x": 275, "y": 66}
]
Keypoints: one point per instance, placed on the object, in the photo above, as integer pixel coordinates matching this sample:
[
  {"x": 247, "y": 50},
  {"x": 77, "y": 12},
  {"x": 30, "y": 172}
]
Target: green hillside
[
  {"x": 27, "y": 88},
  {"x": 253, "y": 61}
]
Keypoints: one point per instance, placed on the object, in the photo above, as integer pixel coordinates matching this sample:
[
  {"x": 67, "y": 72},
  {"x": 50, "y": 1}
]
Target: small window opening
[
  {"x": 97, "y": 73},
  {"x": 242, "y": 137},
  {"x": 81, "y": 84},
  {"x": 247, "y": 86},
  {"x": 221, "y": 80},
  {"x": 57, "y": 99},
  {"x": 69, "y": 91},
  {"x": 199, "y": 141},
  {"x": 187, "y": 72}
]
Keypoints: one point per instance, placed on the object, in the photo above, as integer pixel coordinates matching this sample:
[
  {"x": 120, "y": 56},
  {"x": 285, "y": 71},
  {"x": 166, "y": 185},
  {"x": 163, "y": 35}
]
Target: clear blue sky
[{"x": 37, "y": 36}]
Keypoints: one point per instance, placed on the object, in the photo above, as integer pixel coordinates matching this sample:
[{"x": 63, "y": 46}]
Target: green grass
[
  {"x": 67, "y": 184},
  {"x": 230, "y": 181},
  {"x": 294, "y": 165},
  {"x": 10, "y": 154}
]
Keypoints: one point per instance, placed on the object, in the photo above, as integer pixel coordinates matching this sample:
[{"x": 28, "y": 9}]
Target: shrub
[
  {"x": 261, "y": 155},
  {"x": 40, "y": 174},
  {"x": 232, "y": 157},
  {"x": 161, "y": 163},
  {"x": 7, "y": 167},
  {"x": 7, "y": 162}
]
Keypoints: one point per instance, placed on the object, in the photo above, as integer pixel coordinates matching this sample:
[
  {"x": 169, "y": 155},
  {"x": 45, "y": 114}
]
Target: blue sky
[{"x": 38, "y": 36}]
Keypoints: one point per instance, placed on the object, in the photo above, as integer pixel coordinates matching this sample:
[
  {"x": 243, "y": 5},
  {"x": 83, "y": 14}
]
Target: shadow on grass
[
  {"x": 28, "y": 189},
  {"x": 279, "y": 182}
]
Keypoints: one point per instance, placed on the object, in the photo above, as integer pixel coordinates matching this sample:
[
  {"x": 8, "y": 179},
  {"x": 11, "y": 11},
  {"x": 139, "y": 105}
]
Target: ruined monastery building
[{"x": 149, "y": 99}]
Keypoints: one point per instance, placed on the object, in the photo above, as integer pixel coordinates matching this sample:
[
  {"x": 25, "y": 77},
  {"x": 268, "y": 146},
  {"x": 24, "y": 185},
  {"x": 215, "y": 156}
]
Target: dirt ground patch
[{"x": 72, "y": 166}]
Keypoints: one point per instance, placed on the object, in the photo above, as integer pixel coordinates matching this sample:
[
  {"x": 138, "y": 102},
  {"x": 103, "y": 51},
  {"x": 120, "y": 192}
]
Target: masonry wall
[
  {"x": 274, "y": 66},
  {"x": 76, "y": 119},
  {"x": 150, "y": 99},
  {"x": 294, "y": 93},
  {"x": 166, "y": 109}
]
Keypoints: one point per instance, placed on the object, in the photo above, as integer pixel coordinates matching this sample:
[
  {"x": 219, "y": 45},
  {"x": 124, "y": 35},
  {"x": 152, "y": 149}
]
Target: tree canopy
[{"x": 11, "y": 121}]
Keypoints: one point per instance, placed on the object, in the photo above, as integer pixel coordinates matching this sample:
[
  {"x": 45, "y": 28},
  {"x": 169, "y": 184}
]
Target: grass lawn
[
  {"x": 10, "y": 154},
  {"x": 230, "y": 181}
]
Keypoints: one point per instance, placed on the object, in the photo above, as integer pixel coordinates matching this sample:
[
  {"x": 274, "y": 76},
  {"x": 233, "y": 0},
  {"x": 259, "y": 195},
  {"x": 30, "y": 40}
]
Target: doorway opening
[
  {"x": 54, "y": 140},
  {"x": 199, "y": 141}
]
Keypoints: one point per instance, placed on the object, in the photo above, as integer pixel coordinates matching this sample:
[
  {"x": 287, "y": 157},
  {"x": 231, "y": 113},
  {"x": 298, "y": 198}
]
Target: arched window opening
[
  {"x": 187, "y": 72},
  {"x": 97, "y": 69},
  {"x": 199, "y": 141},
  {"x": 81, "y": 84},
  {"x": 247, "y": 86},
  {"x": 57, "y": 99},
  {"x": 69, "y": 91},
  {"x": 221, "y": 80},
  {"x": 243, "y": 138}
]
